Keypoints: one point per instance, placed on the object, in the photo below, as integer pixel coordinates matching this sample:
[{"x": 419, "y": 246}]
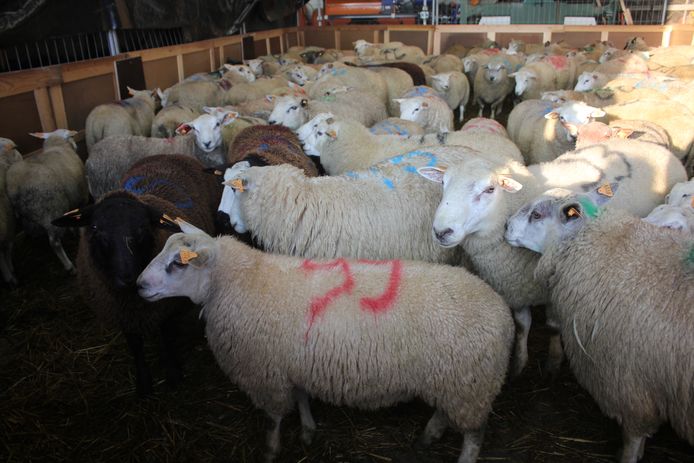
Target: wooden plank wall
[{"x": 61, "y": 96}]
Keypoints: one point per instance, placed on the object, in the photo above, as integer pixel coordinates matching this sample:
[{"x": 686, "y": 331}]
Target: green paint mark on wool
[
  {"x": 589, "y": 208},
  {"x": 690, "y": 256}
]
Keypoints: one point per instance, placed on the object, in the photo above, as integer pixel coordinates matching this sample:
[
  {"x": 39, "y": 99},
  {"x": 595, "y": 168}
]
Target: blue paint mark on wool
[
  {"x": 339, "y": 72},
  {"x": 132, "y": 185},
  {"x": 263, "y": 147},
  {"x": 396, "y": 161}
]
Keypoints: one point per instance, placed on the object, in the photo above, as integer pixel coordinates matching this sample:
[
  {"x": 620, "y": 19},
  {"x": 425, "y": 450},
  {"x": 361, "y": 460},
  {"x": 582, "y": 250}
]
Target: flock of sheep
[{"x": 395, "y": 257}]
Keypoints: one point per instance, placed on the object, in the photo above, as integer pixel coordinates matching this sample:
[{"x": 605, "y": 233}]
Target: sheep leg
[
  {"x": 308, "y": 426},
  {"x": 523, "y": 319},
  {"x": 168, "y": 353},
  {"x": 57, "y": 247},
  {"x": 273, "y": 438},
  {"x": 472, "y": 443},
  {"x": 481, "y": 111},
  {"x": 462, "y": 112},
  {"x": 555, "y": 356},
  {"x": 632, "y": 449},
  {"x": 143, "y": 378},
  {"x": 434, "y": 429},
  {"x": 6, "y": 267}
]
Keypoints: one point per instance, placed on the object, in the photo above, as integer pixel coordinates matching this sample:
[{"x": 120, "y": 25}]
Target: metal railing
[{"x": 79, "y": 47}]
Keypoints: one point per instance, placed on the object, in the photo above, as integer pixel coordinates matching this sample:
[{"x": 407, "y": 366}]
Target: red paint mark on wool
[
  {"x": 385, "y": 301},
  {"x": 558, "y": 62},
  {"x": 380, "y": 303},
  {"x": 491, "y": 51},
  {"x": 320, "y": 303}
]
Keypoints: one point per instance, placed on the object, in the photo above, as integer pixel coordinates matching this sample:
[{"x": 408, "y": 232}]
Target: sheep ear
[
  {"x": 620, "y": 132},
  {"x": 270, "y": 98},
  {"x": 209, "y": 109},
  {"x": 552, "y": 115},
  {"x": 513, "y": 74},
  {"x": 42, "y": 135},
  {"x": 597, "y": 113},
  {"x": 229, "y": 117},
  {"x": 435, "y": 174},
  {"x": 163, "y": 221},
  {"x": 183, "y": 129},
  {"x": 75, "y": 218},
  {"x": 228, "y": 66},
  {"x": 161, "y": 94},
  {"x": 508, "y": 184},
  {"x": 187, "y": 227},
  {"x": 131, "y": 91}
]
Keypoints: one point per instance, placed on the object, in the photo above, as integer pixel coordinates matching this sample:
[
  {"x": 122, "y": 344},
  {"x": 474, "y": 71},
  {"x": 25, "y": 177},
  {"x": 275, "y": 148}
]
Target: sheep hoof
[{"x": 307, "y": 435}]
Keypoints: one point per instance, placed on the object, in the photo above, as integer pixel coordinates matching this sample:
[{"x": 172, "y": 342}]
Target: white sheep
[
  {"x": 167, "y": 120},
  {"x": 543, "y": 132},
  {"x": 622, "y": 291},
  {"x": 344, "y": 145},
  {"x": 238, "y": 73},
  {"x": 478, "y": 197},
  {"x": 492, "y": 85},
  {"x": 454, "y": 89},
  {"x": 431, "y": 112},
  {"x": 381, "y": 213},
  {"x": 588, "y": 81},
  {"x": 294, "y": 111},
  {"x": 337, "y": 74},
  {"x": 131, "y": 116},
  {"x": 393, "y": 126},
  {"x": 249, "y": 91},
  {"x": 444, "y": 63},
  {"x": 300, "y": 74},
  {"x": 397, "y": 82},
  {"x": 682, "y": 194},
  {"x": 535, "y": 78},
  {"x": 8, "y": 156},
  {"x": 195, "y": 94},
  {"x": 370, "y": 344},
  {"x": 200, "y": 138},
  {"x": 45, "y": 184},
  {"x": 673, "y": 217}
]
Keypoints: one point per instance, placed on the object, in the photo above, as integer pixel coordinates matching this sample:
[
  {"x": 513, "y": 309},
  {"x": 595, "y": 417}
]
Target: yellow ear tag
[
  {"x": 692, "y": 201},
  {"x": 237, "y": 185},
  {"x": 167, "y": 219},
  {"x": 187, "y": 255},
  {"x": 573, "y": 212},
  {"x": 606, "y": 190},
  {"x": 218, "y": 172}
]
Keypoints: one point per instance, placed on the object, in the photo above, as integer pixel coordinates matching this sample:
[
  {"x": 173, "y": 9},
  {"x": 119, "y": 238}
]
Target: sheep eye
[
  {"x": 95, "y": 228},
  {"x": 293, "y": 108},
  {"x": 218, "y": 124},
  {"x": 534, "y": 215},
  {"x": 416, "y": 109},
  {"x": 489, "y": 189},
  {"x": 320, "y": 133}
]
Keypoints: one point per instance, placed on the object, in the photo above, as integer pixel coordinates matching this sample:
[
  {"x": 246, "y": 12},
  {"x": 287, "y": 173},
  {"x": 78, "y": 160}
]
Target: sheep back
[
  {"x": 623, "y": 290},
  {"x": 275, "y": 144}
]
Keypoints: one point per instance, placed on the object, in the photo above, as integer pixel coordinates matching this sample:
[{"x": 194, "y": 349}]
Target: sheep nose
[
  {"x": 441, "y": 235},
  {"x": 207, "y": 144},
  {"x": 272, "y": 122}
]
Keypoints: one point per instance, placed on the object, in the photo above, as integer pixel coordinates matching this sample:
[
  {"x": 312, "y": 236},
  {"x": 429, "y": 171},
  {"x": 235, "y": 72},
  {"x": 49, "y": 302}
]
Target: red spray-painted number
[{"x": 377, "y": 304}]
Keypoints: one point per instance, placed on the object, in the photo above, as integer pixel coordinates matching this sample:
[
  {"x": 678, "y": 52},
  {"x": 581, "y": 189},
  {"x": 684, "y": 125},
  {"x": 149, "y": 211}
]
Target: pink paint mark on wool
[
  {"x": 558, "y": 62},
  {"x": 491, "y": 51},
  {"x": 386, "y": 300},
  {"x": 487, "y": 125}
]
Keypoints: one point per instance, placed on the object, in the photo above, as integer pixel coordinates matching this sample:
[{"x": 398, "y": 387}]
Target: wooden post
[
  {"x": 546, "y": 36},
  {"x": 437, "y": 42},
  {"x": 491, "y": 35},
  {"x": 212, "y": 63},
  {"x": 267, "y": 46},
  {"x": 430, "y": 42},
  {"x": 386, "y": 35},
  {"x": 221, "y": 56},
  {"x": 283, "y": 36},
  {"x": 179, "y": 66},
  {"x": 337, "y": 39},
  {"x": 665, "y": 40},
  {"x": 58, "y": 103},
  {"x": 375, "y": 37},
  {"x": 43, "y": 104}
]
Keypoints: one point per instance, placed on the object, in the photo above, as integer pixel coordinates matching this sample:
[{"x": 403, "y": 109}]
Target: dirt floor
[{"x": 66, "y": 394}]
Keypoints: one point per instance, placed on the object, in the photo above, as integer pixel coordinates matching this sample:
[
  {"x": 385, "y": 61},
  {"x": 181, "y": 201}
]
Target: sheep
[
  {"x": 622, "y": 290},
  {"x": 457, "y": 49},
  {"x": 112, "y": 156},
  {"x": 170, "y": 118},
  {"x": 467, "y": 329},
  {"x": 361, "y": 214},
  {"x": 395, "y": 126},
  {"x": 475, "y": 206},
  {"x": 345, "y": 145},
  {"x": 591, "y": 80},
  {"x": 195, "y": 94},
  {"x": 598, "y": 132},
  {"x": 543, "y": 132},
  {"x": 431, "y": 112},
  {"x": 249, "y": 91},
  {"x": 8, "y": 156},
  {"x": 601, "y": 97},
  {"x": 294, "y": 111},
  {"x": 628, "y": 64},
  {"x": 329, "y": 56},
  {"x": 485, "y": 125},
  {"x": 444, "y": 63},
  {"x": 269, "y": 142},
  {"x": 673, "y": 217},
  {"x": 472, "y": 63},
  {"x": 415, "y": 71},
  {"x": 492, "y": 85},
  {"x": 397, "y": 82},
  {"x": 421, "y": 90},
  {"x": 337, "y": 74},
  {"x": 238, "y": 73},
  {"x": 454, "y": 88},
  {"x": 122, "y": 232},
  {"x": 300, "y": 74},
  {"x": 533, "y": 79},
  {"x": 131, "y": 116},
  {"x": 45, "y": 184},
  {"x": 682, "y": 194},
  {"x": 673, "y": 117}
]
